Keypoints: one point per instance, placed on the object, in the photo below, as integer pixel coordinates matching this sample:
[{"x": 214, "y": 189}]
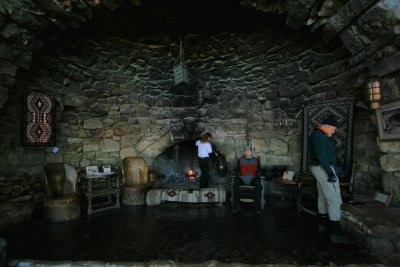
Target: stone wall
[
  {"x": 390, "y": 162},
  {"x": 390, "y": 150},
  {"x": 377, "y": 161},
  {"x": 368, "y": 172},
  {"x": 116, "y": 96},
  {"x": 13, "y": 156},
  {"x": 21, "y": 178}
]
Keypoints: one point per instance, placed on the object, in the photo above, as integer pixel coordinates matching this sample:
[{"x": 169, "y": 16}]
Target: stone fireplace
[{"x": 174, "y": 165}]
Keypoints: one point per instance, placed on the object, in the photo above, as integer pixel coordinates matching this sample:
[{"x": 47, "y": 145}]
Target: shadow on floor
[{"x": 187, "y": 233}]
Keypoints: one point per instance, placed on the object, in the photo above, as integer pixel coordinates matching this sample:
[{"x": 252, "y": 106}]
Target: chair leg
[
  {"x": 299, "y": 203},
  {"x": 235, "y": 198},
  {"x": 262, "y": 200}
]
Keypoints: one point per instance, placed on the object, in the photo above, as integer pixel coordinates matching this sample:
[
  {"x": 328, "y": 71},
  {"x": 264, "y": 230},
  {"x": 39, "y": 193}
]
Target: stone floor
[{"x": 185, "y": 233}]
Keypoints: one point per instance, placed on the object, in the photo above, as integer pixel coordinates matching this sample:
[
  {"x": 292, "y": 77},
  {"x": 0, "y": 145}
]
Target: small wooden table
[
  {"x": 102, "y": 185},
  {"x": 285, "y": 183}
]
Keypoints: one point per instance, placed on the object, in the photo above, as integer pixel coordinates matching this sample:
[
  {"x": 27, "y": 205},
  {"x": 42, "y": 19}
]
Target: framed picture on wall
[{"x": 388, "y": 118}]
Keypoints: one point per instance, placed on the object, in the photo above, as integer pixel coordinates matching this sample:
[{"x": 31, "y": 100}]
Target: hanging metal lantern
[
  {"x": 374, "y": 95},
  {"x": 180, "y": 68}
]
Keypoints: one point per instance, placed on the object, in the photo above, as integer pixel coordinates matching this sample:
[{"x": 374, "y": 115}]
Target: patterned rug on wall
[
  {"x": 342, "y": 140},
  {"x": 38, "y": 121}
]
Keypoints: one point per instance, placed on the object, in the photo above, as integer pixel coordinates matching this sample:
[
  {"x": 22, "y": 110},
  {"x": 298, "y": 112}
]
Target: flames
[{"x": 192, "y": 175}]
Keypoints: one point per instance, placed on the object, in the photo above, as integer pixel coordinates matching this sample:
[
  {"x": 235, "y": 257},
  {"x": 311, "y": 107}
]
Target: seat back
[
  {"x": 71, "y": 179},
  {"x": 60, "y": 179},
  {"x": 55, "y": 179},
  {"x": 135, "y": 171}
]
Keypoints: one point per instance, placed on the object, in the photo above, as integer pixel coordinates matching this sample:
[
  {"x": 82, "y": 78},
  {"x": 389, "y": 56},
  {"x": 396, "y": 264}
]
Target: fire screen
[
  {"x": 314, "y": 114},
  {"x": 38, "y": 121}
]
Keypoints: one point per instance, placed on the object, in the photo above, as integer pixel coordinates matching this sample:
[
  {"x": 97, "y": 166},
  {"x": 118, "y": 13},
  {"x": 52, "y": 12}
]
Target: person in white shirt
[{"x": 203, "y": 152}]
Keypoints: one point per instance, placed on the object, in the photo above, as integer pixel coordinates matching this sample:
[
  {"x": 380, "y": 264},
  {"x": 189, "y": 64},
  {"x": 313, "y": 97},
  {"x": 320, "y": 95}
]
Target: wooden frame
[
  {"x": 383, "y": 198},
  {"x": 388, "y": 118}
]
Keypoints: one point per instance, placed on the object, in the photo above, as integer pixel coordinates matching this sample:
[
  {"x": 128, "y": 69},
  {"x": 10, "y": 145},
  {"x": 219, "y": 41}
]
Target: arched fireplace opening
[{"x": 178, "y": 167}]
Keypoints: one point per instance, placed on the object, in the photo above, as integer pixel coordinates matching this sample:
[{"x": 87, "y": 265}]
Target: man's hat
[
  {"x": 330, "y": 120},
  {"x": 247, "y": 148}
]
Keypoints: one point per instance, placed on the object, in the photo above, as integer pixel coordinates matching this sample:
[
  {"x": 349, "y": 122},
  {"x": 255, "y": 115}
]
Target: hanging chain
[{"x": 180, "y": 58}]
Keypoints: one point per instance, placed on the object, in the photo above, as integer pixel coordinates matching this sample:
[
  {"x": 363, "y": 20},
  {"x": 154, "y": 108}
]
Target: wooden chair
[
  {"x": 247, "y": 191},
  {"x": 307, "y": 185}
]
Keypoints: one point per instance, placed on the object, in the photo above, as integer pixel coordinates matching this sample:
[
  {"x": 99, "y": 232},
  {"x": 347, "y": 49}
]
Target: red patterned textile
[
  {"x": 38, "y": 121},
  {"x": 200, "y": 195},
  {"x": 248, "y": 168}
]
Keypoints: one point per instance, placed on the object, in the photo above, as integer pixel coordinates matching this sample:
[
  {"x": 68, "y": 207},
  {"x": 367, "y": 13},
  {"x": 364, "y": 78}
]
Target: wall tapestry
[
  {"x": 38, "y": 122},
  {"x": 342, "y": 140}
]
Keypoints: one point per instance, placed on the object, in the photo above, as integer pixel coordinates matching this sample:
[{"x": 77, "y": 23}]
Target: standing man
[
  {"x": 326, "y": 171},
  {"x": 247, "y": 171}
]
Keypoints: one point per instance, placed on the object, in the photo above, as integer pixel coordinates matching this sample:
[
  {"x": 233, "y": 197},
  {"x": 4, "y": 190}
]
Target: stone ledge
[
  {"x": 12, "y": 214},
  {"x": 159, "y": 263},
  {"x": 376, "y": 227}
]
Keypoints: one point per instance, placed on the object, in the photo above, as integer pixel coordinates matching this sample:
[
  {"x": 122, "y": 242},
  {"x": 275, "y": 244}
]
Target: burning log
[{"x": 192, "y": 175}]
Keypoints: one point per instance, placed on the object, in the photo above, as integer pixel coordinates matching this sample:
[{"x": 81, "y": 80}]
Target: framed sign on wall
[
  {"x": 388, "y": 118},
  {"x": 38, "y": 121}
]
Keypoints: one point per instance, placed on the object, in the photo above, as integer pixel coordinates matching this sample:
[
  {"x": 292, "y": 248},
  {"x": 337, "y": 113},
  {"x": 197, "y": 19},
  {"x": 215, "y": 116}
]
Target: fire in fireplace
[{"x": 192, "y": 175}]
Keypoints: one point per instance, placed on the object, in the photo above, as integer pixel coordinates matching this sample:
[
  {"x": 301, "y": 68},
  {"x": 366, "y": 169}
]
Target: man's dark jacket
[{"x": 321, "y": 150}]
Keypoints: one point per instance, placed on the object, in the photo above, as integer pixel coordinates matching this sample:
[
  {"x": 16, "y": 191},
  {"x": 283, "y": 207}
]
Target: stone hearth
[{"x": 376, "y": 227}]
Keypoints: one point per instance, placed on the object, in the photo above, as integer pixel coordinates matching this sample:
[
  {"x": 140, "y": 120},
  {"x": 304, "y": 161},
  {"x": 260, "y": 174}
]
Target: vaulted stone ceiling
[{"x": 368, "y": 29}]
